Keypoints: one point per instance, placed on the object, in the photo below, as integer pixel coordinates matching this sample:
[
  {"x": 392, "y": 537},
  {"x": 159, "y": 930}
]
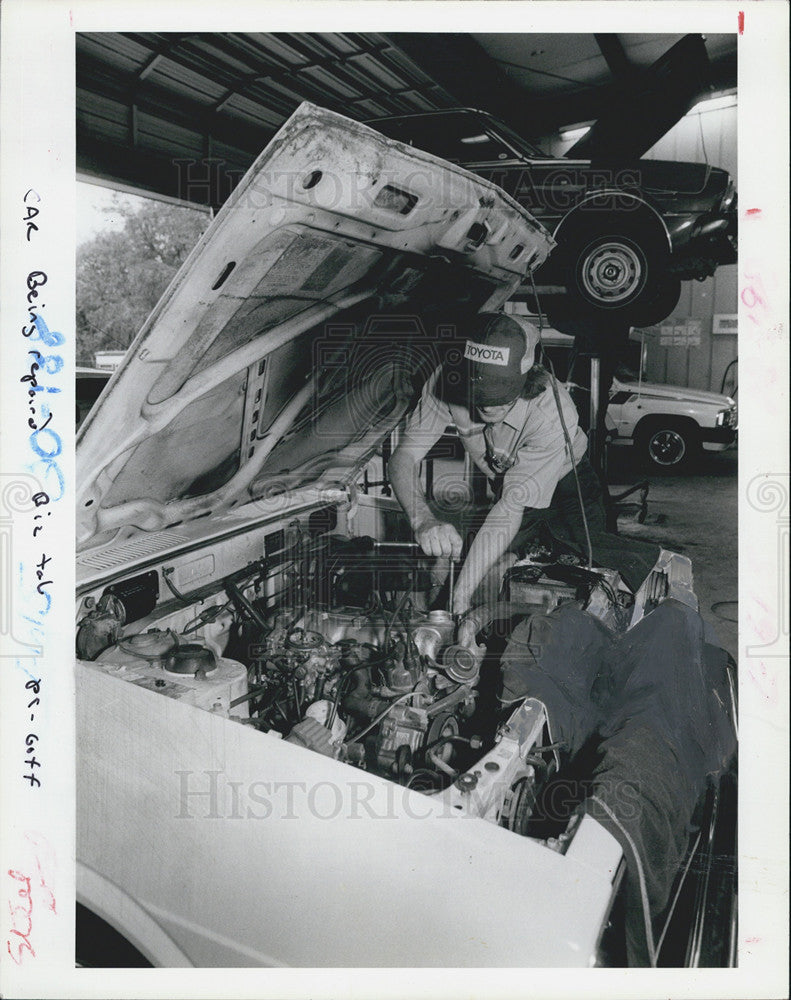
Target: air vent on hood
[{"x": 223, "y": 275}]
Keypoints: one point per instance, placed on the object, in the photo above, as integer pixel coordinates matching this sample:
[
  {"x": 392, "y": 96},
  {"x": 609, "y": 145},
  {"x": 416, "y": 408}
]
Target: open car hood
[
  {"x": 291, "y": 341},
  {"x": 648, "y": 105}
]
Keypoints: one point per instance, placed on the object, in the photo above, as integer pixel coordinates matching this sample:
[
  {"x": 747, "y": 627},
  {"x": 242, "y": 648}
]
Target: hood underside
[{"x": 292, "y": 340}]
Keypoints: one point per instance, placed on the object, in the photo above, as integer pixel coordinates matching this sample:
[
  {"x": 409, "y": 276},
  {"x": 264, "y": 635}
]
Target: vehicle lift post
[{"x": 597, "y": 448}]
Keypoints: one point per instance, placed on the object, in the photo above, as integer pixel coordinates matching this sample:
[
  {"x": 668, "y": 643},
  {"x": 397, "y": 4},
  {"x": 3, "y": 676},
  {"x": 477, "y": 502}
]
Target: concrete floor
[{"x": 694, "y": 513}]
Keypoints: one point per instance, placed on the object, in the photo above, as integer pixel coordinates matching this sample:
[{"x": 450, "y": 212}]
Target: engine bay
[{"x": 342, "y": 644}]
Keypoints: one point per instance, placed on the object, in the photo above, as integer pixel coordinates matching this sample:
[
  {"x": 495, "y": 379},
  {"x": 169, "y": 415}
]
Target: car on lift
[
  {"x": 282, "y": 749},
  {"x": 627, "y": 234},
  {"x": 629, "y": 230}
]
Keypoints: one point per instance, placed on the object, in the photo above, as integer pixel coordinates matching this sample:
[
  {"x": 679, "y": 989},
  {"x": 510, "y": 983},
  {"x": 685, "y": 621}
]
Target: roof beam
[{"x": 615, "y": 56}]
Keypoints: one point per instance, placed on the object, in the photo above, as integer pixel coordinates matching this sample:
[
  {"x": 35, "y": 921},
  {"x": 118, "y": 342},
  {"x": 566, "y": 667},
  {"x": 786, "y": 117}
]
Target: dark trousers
[
  {"x": 562, "y": 520},
  {"x": 654, "y": 699}
]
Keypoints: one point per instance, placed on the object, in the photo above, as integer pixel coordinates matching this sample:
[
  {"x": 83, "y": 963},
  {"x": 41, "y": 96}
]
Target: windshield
[{"x": 460, "y": 137}]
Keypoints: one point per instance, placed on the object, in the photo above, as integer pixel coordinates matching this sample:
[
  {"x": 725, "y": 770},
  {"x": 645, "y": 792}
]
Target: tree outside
[{"x": 122, "y": 275}]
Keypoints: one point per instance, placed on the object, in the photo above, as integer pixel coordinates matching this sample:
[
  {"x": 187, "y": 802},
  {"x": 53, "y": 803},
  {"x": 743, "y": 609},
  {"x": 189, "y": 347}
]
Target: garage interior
[
  {"x": 180, "y": 117},
  {"x": 183, "y": 115}
]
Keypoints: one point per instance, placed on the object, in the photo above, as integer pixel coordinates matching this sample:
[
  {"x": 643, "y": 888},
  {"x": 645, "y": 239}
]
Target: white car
[
  {"x": 283, "y": 757},
  {"x": 669, "y": 424}
]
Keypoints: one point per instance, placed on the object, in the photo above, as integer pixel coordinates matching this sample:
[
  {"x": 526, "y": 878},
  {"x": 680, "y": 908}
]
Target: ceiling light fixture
[{"x": 575, "y": 132}]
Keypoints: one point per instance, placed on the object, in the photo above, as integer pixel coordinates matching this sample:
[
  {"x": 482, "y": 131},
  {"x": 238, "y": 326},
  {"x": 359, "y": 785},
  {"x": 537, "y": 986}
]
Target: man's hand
[{"x": 438, "y": 538}]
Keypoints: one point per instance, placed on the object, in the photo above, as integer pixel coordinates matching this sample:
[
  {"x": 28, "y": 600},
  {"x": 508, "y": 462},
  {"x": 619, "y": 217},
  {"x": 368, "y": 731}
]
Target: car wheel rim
[
  {"x": 612, "y": 273},
  {"x": 667, "y": 447}
]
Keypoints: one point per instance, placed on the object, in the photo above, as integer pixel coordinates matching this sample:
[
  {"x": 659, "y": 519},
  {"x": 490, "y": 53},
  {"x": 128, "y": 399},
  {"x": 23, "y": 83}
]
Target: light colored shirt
[{"x": 531, "y": 434}]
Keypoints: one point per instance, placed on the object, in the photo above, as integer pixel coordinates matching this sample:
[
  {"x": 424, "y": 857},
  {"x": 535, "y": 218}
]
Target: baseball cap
[{"x": 498, "y": 353}]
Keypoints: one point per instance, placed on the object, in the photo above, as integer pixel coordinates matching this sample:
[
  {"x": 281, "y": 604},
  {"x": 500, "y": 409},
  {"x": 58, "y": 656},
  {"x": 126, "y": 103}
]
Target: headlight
[{"x": 727, "y": 418}]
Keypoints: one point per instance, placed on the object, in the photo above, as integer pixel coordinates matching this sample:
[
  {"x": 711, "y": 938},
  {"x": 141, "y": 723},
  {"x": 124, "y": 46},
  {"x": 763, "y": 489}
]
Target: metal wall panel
[{"x": 709, "y": 136}]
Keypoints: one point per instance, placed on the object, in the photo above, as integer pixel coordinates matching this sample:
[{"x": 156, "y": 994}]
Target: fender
[
  {"x": 639, "y": 203},
  {"x": 125, "y": 915}
]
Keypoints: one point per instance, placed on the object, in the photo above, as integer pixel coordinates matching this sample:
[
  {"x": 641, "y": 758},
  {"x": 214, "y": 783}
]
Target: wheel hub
[
  {"x": 667, "y": 447},
  {"x": 612, "y": 273}
]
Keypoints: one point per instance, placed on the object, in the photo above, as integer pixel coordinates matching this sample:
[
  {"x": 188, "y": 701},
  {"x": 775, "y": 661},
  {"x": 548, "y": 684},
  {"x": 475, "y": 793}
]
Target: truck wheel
[
  {"x": 615, "y": 268},
  {"x": 664, "y": 301},
  {"x": 668, "y": 444}
]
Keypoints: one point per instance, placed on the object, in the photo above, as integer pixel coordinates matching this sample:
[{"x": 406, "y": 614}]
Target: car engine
[{"x": 341, "y": 645}]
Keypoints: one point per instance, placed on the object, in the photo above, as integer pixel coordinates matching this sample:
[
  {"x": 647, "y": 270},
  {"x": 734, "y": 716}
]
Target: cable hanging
[{"x": 570, "y": 451}]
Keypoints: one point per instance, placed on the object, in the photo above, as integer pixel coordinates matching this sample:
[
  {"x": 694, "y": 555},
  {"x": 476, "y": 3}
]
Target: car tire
[
  {"x": 665, "y": 300},
  {"x": 615, "y": 268},
  {"x": 668, "y": 445},
  {"x": 100, "y": 946}
]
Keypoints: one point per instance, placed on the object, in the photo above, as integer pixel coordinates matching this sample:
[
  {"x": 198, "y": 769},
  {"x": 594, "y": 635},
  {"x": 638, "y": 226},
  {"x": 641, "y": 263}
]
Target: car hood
[
  {"x": 291, "y": 341},
  {"x": 677, "y": 392},
  {"x": 647, "y": 105}
]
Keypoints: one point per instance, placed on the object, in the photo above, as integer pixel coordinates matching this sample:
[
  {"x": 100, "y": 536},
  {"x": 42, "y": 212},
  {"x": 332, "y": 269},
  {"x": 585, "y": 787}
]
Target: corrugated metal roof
[
  {"x": 188, "y": 93},
  {"x": 182, "y": 95}
]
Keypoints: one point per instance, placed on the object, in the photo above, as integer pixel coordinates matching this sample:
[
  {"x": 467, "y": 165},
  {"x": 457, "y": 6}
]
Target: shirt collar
[{"x": 517, "y": 415}]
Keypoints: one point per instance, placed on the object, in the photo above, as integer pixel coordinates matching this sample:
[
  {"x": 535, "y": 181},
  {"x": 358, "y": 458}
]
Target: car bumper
[
  {"x": 699, "y": 249},
  {"x": 717, "y": 438}
]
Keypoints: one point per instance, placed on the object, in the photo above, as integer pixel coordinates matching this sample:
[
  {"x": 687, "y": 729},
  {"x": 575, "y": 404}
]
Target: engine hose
[
  {"x": 440, "y": 764},
  {"x": 399, "y": 607},
  {"x": 340, "y": 694},
  {"x": 424, "y": 772},
  {"x": 448, "y": 739},
  {"x": 360, "y": 701},
  {"x": 484, "y": 614},
  {"x": 166, "y": 574},
  {"x": 335, "y": 702},
  {"x": 236, "y": 595},
  {"x": 254, "y": 693}
]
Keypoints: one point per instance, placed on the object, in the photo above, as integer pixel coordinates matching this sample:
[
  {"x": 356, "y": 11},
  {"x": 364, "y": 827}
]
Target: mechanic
[{"x": 523, "y": 433}]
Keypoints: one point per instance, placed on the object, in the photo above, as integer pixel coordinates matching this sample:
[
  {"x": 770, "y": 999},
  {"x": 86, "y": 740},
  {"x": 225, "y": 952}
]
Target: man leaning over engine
[{"x": 524, "y": 434}]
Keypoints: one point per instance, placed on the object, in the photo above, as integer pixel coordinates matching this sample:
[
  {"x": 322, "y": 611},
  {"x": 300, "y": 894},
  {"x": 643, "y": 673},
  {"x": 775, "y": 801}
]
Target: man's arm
[
  {"x": 498, "y": 531},
  {"x": 424, "y": 427},
  {"x": 435, "y": 537},
  {"x": 541, "y": 461}
]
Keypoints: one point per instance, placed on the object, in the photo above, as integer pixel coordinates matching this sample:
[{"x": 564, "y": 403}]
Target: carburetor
[{"x": 305, "y": 655}]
